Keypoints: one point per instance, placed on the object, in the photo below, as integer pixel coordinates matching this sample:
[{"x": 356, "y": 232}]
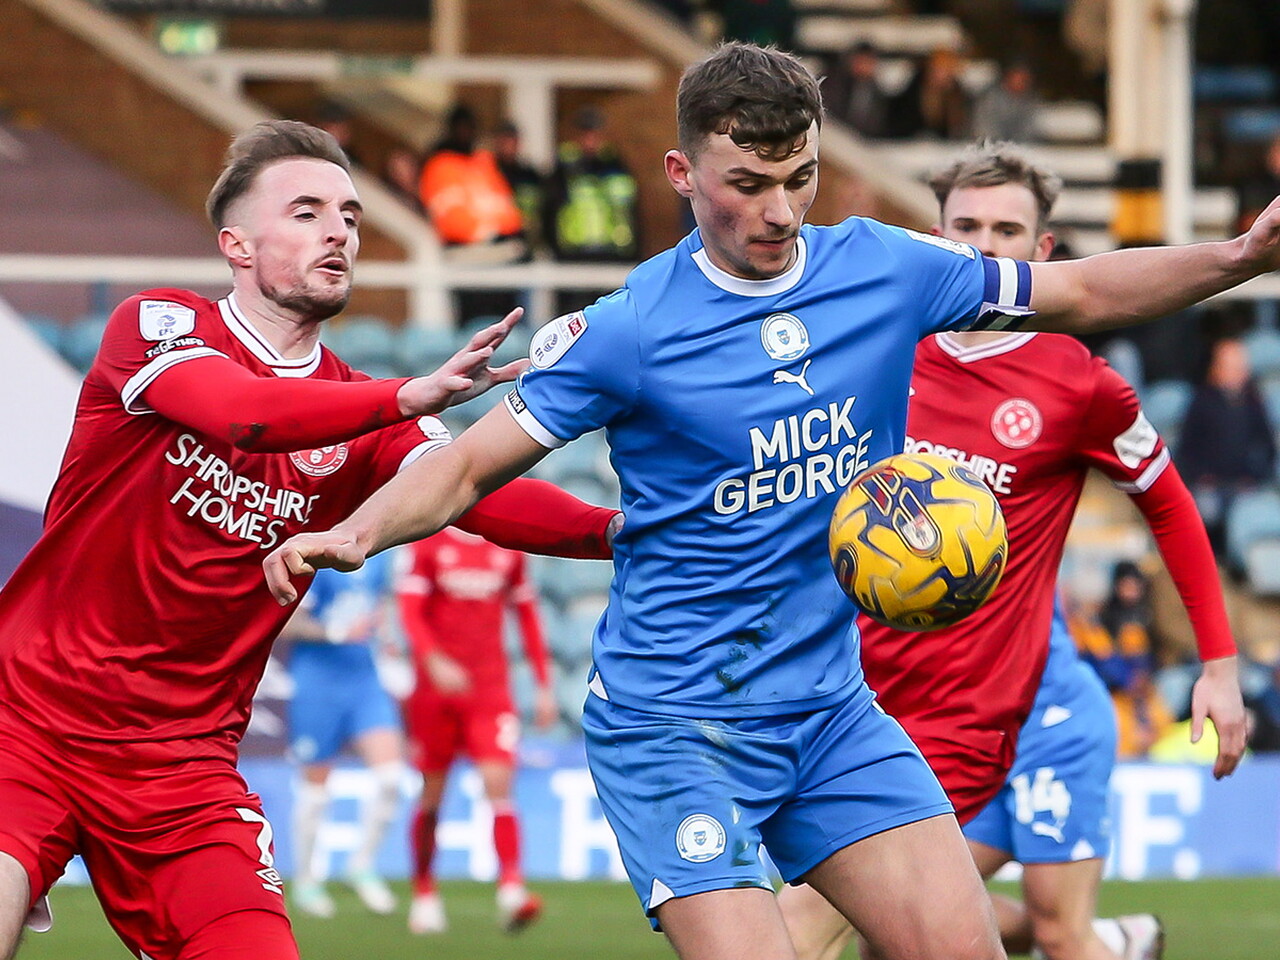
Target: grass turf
[{"x": 1205, "y": 920}]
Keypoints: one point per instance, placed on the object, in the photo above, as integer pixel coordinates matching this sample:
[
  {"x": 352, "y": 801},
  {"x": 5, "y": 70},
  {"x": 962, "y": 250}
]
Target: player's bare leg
[
  {"x": 817, "y": 929},
  {"x": 1061, "y": 901},
  {"x": 15, "y": 894},
  {"x": 913, "y": 892},
  {"x": 381, "y": 749},
  {"x": 517, "y": 907},
  {"x": 739, "y": 924},
  {"x": 426, "y": 911}
]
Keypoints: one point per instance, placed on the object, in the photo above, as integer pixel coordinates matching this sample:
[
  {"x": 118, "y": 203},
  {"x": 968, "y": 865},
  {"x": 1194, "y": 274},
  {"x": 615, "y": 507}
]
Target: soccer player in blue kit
[{"x": 743, "y": 377}]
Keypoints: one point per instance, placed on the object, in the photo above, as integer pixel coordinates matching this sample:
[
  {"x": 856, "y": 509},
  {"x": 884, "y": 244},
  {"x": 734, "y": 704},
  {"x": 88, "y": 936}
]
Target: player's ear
[
  {"x": 678, "y": 168},
  {"x": 235, "y": 246},
  {"x": 1044, "y": 245},
  {"x": 936, "y": 229}
]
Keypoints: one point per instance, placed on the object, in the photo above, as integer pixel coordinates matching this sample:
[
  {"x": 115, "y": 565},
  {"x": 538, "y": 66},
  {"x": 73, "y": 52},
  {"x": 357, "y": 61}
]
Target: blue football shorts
[
  {"x": 693, "y": 801},
  {"x": 337, "y": 696},
  {"x": 1053, "y": 806}
]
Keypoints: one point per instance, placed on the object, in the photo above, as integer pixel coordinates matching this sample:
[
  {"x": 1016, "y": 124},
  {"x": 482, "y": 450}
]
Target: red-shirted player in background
[
  {"x": 1030, "y": 413},
  {"x": 134, "y": 633},
  {"x": 453, "y": 604}
]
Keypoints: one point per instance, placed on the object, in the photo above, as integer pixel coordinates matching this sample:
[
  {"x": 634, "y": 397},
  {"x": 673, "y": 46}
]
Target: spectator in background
[
  {"x": 339, "y": 701},
  {"x": 1118, "y": 645},
  {"x": 1226, "y": 443},
  {"x": 336, "y": 121},
  {"x": 762, "y": 22},
  {"x": 453, "y": 604},
  {"x": 1009, "y": 110},
  {"x": 462, "y": 189},
  {"x": 526, "y": 183},
  {"x": 1253, "y": 195},
  {"x": 1266, "y": 714},
  {"x": 591, "y": 197},
  {"x": 854, "y": 94},
  {"x": 401, "y": 174},
  {"x": 936, "y": 101}
]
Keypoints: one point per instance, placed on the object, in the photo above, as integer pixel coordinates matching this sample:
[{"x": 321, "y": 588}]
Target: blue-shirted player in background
[
  {"x": 743, "y": 377},
  {"x": 338, "y": 702}
]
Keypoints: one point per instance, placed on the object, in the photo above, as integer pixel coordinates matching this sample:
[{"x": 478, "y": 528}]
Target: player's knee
[{"x": 243, "y": 935}]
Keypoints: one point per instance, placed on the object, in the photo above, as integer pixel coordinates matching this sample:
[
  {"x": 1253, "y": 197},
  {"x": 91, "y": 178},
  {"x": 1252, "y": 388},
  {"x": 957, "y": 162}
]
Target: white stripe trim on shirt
[
  {"x": 981, "y": 351},
  {"x": 1148, "y": 476},
  {"x": 261, "y": 347},
  {"x": 139, "y": 382},
  {"x": 530, "y": 425},
  {"x": 754, "y": 288},
  {"x": 421, "y": 450}
]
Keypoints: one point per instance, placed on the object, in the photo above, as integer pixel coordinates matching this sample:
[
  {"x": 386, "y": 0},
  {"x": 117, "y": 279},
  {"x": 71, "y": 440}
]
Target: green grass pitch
[{"x": 1205, "y": 920}]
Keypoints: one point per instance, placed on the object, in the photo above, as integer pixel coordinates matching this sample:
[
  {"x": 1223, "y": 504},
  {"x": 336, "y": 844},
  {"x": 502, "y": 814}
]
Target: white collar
[
  {"x": 261, "y": 347},
  {"x": 754, "y": 288},
  {"x": 981, "y": 351}
]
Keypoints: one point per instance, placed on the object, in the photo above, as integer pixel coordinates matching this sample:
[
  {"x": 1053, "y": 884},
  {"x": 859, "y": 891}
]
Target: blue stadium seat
[
  {"x": 363, "y": 342},
  {"x": 1254, "y": 516},
  {"x": 81, "y": 340},
  {"x": 1234, "y": 84},
  {"x": 419, "y": 350},
  {"x": 1269, "y": 387},
  {"x": 48, "y": 329},
  {"x": 1252, "y": 123},
  {"x": 1264, "y": 351},
  {"x": 1262, "y": 565},
  {"x": 1165, "y": 404}
]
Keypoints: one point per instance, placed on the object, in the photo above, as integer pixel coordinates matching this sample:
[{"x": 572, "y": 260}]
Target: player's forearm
[
  {"x": 422, "y": 499},
  {"x": 1125, "y": 287},
  {"x": 1180, "y": 536},
  {"x": 268, "y": 414}
]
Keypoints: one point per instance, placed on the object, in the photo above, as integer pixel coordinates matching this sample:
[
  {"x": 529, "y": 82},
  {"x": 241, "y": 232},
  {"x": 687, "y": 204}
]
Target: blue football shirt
[
  {"x": 347, "y": 604},
  {"x": 736, "y": 411}
]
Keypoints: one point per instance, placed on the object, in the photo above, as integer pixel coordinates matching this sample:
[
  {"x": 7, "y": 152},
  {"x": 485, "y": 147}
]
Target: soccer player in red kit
[
  {"x": 453, "y": 604},
  {"x": 1030, "y": 413},
  {"x": 133, "y": 635}
]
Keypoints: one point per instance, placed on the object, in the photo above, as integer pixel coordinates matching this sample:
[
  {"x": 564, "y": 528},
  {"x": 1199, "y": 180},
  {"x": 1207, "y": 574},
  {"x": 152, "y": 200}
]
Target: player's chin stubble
[{"x": 310, "y": 304}]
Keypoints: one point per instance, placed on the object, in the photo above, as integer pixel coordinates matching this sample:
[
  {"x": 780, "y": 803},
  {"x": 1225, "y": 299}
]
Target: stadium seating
[
  {"x": 80, "y": 341},
  {"x": 366, "y": 343},
  {"x": 1254, "y": 517},
  {"x": 1165, "y": 404},
  {"x": 1263, "y": 345}
]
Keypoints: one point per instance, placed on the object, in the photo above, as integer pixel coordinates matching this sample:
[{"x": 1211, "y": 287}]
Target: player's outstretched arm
[
  {"x": 424, "y": 498},
  {"x": 220, "y": 398},
  {"x": 1131, "y": 286},
  {"x": 1171, "y": 512}
]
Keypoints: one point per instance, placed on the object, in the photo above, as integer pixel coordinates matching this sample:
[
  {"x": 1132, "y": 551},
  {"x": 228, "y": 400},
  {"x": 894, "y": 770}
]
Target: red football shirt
[
  {"x": 455, "y": 598},
  {"x": 1030, "y": 414},
  {"x": 141, "y": 614}
]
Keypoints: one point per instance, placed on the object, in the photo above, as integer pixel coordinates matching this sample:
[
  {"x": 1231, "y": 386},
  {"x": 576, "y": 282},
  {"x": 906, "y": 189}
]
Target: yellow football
[{"x": 918, "y": 541}]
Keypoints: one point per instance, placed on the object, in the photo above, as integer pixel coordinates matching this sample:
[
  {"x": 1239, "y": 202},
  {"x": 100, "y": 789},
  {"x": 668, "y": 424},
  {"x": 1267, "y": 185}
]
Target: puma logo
[{"x": 786, "y": 376}]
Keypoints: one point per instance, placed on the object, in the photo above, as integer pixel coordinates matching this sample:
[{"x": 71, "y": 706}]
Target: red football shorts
[
  {"x": 171, "y": 846},
  {"x": 442, "y": 728},
  {"x": 972, "y": 770}
]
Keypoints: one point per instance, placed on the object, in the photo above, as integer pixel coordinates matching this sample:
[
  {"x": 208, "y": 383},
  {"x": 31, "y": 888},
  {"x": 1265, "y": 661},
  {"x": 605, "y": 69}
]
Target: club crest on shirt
[
  {"x": 1017, "y": 423},
  {"x": 322, "y": 461},
  {"x": 162, "y": 320},
  {"x": 554, "y": 338},
  {"x": 700, "y": 838},
  {"x": 783, "y": 336}
]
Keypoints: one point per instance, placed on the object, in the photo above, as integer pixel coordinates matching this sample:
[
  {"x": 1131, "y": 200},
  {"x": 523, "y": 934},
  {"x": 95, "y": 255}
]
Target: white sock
[
  {"x": 377, "y": 814},
  {"x": 309, "y": 806},
  {"x": 1109, "y": 932}
]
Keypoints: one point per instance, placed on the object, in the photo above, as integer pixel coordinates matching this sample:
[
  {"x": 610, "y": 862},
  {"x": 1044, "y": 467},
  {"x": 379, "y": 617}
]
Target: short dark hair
[
  {"x": 260, "y": 146},
  {"x": 763, "y": 98},
  {"x": 990, "y": 164}
]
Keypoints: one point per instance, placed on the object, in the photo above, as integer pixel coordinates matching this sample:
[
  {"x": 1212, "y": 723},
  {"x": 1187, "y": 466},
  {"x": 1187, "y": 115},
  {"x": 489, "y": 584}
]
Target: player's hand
[
  {"x": 465, "y": 375},
  {"x": 545, "y": 711},
  {"x": 1261, "y": 243},
  {"x": 614, "y": 528},
  {"x": 1216, "y": 695},
  {"x": 306, "y": 553},
  {"x": 447, "y": 675}
]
